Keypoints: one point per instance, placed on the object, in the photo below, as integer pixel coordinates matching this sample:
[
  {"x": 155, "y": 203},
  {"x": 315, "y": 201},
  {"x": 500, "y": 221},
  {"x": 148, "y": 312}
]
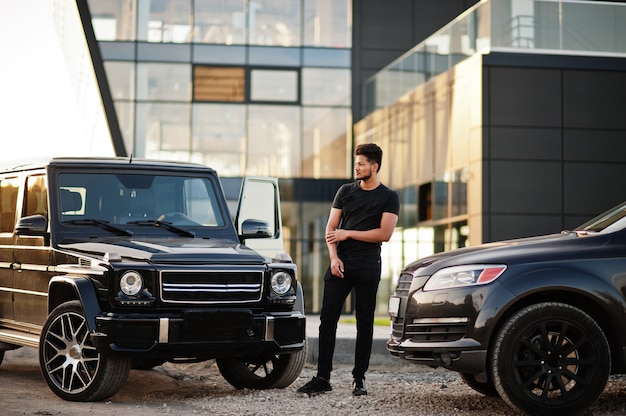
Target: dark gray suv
[
  {"x": 538, "y": 321},
  {"x": 113, "y": 264}
]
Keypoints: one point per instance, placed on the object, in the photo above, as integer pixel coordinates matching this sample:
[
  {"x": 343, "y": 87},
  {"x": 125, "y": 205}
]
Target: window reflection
[
  {"x": 163, "y": 82},
  {"x": 274, "y": 22},
  {"x": 113, "y": 19},
  {"x": 273, "y": 85},
  {"x": 328, "y": 23},
  {"x": 274, "y": 140},
  {"x": 121, "y": 77},
  {"x": 325, "y": 142},
  {"x": 218, "y": 137},
  {"x": 164, "y": 20},
  {"x": 220, "y": 21},
  {"x": 326, "y": 86},
  {"x": 125, "y": 112},
  {"x": 163, "y": 131}
]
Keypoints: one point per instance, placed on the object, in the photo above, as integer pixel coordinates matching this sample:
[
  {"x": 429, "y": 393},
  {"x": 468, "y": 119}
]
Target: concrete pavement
[{"x": 346, "y": 337}]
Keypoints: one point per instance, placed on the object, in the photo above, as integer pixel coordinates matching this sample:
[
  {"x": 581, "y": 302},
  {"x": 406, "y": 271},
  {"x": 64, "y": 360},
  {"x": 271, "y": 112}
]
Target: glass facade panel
[
  {"x": 334, "y": 58},
  {"x": 220, "y": 21},
  {"x": 270, "y": 56},
  {"x": 219, "y": 137},
  {"x": 219, "y": 84},
  {"x": 274, "y": 141},
  {"x": 325, "y": 86},
  {"x": 163, "y": 82},
  {"x": 326, "y": 142},
  {"x": 121, "y": 77},
  {"x": 125, "y": 112},
  {"x": 164, "y": 21},
  {"x": 328, "y": 23},
  {"x": 163, "y": 131},
  {"x": 273, "y": 85},
  {"x": 219, "y": 54},
  {"x": 113, "y": 19},
  {"x": 274, "y": 22}
]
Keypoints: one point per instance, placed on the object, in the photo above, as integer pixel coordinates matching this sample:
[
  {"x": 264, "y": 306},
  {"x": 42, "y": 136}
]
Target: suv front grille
[
  {"x": 404, "y": 284},
  {"x": 211, "y": 286},
  {"x": 436, "y": 330}
]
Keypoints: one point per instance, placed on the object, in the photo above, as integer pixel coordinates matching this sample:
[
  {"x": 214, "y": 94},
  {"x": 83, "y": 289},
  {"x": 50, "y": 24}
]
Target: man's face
[{"x": 363, "y": 169}]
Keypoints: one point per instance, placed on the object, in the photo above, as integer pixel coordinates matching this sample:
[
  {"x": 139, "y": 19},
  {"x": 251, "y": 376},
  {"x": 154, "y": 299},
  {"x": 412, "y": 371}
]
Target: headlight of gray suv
[{"x": 462, "y": 276}]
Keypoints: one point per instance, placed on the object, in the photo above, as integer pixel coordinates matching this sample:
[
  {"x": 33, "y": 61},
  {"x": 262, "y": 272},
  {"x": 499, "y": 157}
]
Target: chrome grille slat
[
  {"x": 212, "y": 286},
  {"x": 435, "y": 332}
]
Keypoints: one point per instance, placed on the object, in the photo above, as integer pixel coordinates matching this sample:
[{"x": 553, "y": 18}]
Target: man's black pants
[{"x": 363, "y": 275}]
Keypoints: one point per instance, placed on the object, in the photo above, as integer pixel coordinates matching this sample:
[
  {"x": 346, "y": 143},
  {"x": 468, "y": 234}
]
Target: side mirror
[
  {"x": 255, "y": 229},
  {"x": 32, "y": 225}
]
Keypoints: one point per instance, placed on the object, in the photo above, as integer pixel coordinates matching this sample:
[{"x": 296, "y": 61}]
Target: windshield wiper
[
  {"x": 102, "y": 223},
  {"x": 165, "y": 224}
]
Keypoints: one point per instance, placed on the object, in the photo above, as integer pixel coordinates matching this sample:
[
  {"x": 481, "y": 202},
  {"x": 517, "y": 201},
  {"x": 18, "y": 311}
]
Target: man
[{"x": 363, "y": 215}]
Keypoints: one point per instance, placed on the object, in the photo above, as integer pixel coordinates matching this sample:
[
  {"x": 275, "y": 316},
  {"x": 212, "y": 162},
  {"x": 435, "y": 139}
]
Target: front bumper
[
  {"x": 463, "y": 356},
  {"x": 201, "y": 334}
]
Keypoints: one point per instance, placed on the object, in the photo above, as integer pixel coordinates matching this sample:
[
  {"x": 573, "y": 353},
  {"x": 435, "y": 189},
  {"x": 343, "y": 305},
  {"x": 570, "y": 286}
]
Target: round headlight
[
  {"x": 131, "y": 283},
  {"x": 281, "y": 283}
]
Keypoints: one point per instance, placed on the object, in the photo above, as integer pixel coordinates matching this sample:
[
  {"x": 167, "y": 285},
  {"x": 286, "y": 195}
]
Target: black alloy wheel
[{"x": 550, "y": 359}]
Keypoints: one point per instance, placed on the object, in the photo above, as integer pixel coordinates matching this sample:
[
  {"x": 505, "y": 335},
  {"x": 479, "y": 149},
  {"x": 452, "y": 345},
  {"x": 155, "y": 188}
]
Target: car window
[
  {"x": 609, "y": 221},
  {"x": 8, "y": 203},
  {"x": 36, "y": 201},
  {"x": 128, "y": 198}
]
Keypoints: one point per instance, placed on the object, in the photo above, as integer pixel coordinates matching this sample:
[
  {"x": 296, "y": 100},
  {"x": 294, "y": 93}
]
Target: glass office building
[
  {"x": 248, "y": 87},
  {"x": 504, "y": 123}
]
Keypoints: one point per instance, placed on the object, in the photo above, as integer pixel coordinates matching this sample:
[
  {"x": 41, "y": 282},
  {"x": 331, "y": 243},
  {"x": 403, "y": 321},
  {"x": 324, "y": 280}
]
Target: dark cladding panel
[
  {"x": 521, "y": 187},
  {"x": 525, "y": 143},
  {"x": 607, "y": 146},
  {"x": 509, "y": 226},
  {"x": 594, "y": 99},
  {"x": 592, "y": 188},
  {"x": 393, "y": 24},
  {"x": 525, "y": 97}
]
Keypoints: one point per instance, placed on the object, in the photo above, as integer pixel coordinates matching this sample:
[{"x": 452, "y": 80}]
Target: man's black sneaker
[
  {"x": 359, "y": 387},
  {"x": 315, "y": 386}
]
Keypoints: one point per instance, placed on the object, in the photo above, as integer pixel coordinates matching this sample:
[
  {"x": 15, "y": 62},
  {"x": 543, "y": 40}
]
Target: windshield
[
  {"x": 137, "y": 198},
  {"x": 609, "y": 221}
]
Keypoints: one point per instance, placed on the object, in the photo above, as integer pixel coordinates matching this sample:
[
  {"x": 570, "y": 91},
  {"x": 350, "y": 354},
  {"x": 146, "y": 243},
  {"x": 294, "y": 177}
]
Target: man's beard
[{"x": 365, "y": 177}]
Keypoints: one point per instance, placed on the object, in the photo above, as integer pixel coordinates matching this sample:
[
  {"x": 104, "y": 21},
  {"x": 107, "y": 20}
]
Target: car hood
[
  {"x": 170, "y": 250},
  {"x": 563, "y": 245}
]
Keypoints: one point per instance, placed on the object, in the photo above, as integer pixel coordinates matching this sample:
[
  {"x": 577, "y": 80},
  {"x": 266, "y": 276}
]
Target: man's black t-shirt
[{"x": 362, "y": 210}]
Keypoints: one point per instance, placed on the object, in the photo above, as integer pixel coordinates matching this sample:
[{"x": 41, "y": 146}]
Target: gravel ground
[
  {"x": 401, "y": 389},
  {"x": 395, "y": 388}
]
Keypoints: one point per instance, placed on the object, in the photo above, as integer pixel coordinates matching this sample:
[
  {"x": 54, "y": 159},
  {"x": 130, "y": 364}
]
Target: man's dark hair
[{"x": 372, "y": 152}]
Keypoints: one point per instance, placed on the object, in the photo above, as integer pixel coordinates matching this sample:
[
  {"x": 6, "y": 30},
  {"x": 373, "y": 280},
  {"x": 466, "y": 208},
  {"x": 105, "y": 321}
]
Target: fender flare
[{"x": 84, "y": 291}]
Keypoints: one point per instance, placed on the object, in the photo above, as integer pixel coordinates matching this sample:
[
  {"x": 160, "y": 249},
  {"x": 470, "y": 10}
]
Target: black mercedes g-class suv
[{"x": 108, "y": 264}]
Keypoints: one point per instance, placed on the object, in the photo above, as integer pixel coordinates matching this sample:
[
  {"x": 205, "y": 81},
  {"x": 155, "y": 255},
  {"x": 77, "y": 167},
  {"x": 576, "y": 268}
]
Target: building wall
[
  {"x": 555, "y": 142},
  {"x": 382, "y": 31}
]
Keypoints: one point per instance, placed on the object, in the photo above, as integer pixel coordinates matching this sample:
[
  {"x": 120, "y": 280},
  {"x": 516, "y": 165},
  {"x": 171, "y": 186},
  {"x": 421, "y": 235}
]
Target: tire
[
  {"x": 1, "y": 356},
  {"x": 488, "y": 389},
  {"x": 266, "y": 372},
  {"x": 69, "y": 362},
  {"x": 550, "y": 358}
]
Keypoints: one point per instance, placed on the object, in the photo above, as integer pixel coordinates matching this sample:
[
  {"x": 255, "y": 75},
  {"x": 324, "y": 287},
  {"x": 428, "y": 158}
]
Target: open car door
[{"x": 258, "y": 219}]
